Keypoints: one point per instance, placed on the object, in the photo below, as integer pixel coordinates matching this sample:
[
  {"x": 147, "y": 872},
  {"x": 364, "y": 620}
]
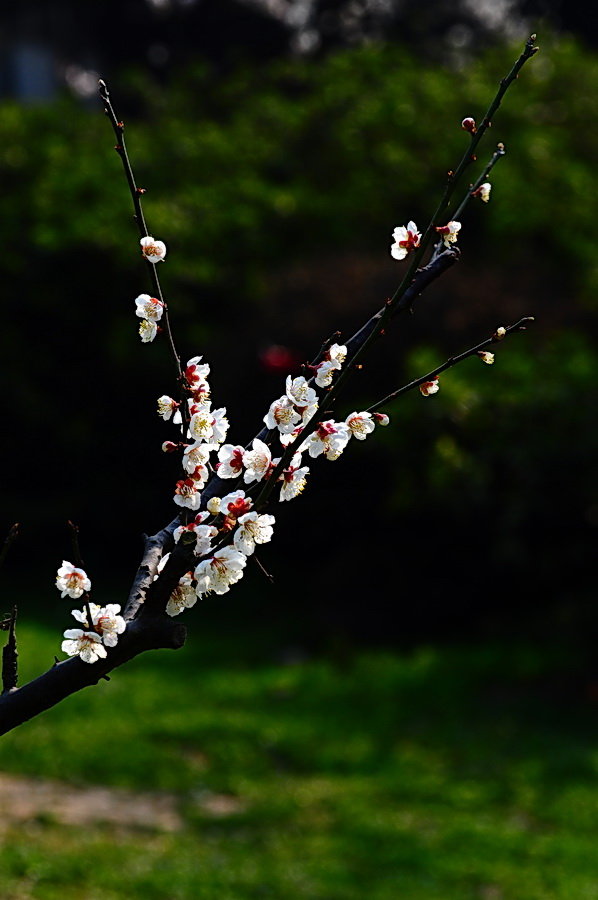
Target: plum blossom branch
[
  {"x": 468, "y": 157},
  {"x": 478, "y": 350},
  {"x": 475, "y": 187},
  {"x": 136, "y": 194}
]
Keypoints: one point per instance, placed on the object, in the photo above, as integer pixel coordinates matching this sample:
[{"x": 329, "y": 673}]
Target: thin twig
[
  {"x": 79, "y": 563},
  {"x": 136, "y": 194},
  {"x": 453, "y": 361},
  {"x": 12, "y": 535}
]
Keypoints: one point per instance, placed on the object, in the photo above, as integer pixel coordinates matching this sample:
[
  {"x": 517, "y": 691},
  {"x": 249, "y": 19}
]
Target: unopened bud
[
  {"x": 169, "y": 447},
  {"x": 381, "y": 418},
  {"x": 214, "y": 505},
  {"x": 499, "y": 333},
  {"x": 486, "y": 357},
  {"x": 469, "y": 124}
]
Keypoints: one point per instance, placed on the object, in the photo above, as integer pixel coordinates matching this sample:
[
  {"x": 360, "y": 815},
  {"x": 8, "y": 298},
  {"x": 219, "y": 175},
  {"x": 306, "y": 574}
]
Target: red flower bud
[{"x": 469, "y": 124}]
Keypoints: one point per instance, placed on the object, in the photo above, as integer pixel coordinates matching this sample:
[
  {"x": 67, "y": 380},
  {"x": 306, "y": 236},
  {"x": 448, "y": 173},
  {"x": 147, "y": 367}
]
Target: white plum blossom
[
  {"x": 196, "y": 456},
  {"x": 147, "y": 331},
  {"x": 429, "y": 387},
  {"x": 154, "y": 251},
  {"x": 282, "y": 415},
  {"x": 449, "y": 232},
  {"x": 332, "y": 361},
  {"x": 257, "y": 461},
  {"x": 167, "y": 407},
  {"x": 109, "y": 624},
  {"x": 253, "y": 529},
  {"x": 183, "y": 597},
  {"x": 220, "y": 571},
  {"x": 187, "y": 493},
  {"x": 71, "y": 581},
  {"x": 406, "y": 238},
  {"x": 300, "y": 393},
  {"x": 204, "y": 534},
  {"x": 293, "y": 478},
  {"x": 230, "y": 461},
  {"x": 360, "y": 424},
  {"x": 329, "y": 438},
  {"x": 486, "y": 357},
  {"x": 195, "y": 375},
  {"x": 235, "y": 504},
  {"x": 148, "y": 307},
  {"x": 85, "y": 644},
  {"x": 308, "y": 412},
  {"x": 326, "y": 370},
  {"x": 207, "y": 424},
  {"x": 105, "y": 619},
  {"x": 484, "y": 190},
  {"x": 286, "y": 439}
]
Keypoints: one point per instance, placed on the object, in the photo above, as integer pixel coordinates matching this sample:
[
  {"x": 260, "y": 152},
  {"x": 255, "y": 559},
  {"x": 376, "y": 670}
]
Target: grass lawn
[{"x": 443, "y": 773}]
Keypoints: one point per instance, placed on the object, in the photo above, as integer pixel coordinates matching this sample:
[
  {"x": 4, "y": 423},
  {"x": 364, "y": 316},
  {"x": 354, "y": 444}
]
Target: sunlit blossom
[
  {"x": 147, "y": 331},
  {"x": 71, "y": 581},
  {"x": 282, "y": 415},
  {"x": 329, "y": 438},
  {"x": 486, "y": 357},
  {"x": 187, "y": 494},
  {"x": 85, "y": 644},
  {"x": 293, "y": 478},
  {"x": 257, "y": 461},
  {"x": 406, "y": 238},
  {"x": 449, "y": 232},
  {"x": 253, "y": 529},
  {"x": 183, "y": 597},
  {"x": 230, "y": 461},
  {"x": 360, "y": 424},
  {"x": 154, "y": 251},
  {"x": 220, "y": 571},
  {"x": 148, "y": 307}
]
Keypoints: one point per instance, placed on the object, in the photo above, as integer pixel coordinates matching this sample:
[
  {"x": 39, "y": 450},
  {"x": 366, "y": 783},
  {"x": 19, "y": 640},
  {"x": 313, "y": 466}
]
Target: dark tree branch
[
  {"x": 10, "y": 656},
  {"x": 72, "y": 675}
]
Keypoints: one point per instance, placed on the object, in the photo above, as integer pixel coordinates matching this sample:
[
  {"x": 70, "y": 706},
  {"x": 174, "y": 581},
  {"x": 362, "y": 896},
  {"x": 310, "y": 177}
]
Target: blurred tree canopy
[{"x": 276, "y": 189}]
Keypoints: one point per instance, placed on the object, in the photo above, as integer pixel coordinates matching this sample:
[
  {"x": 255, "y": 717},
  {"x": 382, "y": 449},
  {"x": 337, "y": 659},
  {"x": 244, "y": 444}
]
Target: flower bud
[
  {"x": 381, "y": 418},
  {"x": 429, "y": 387},
  {"x": 499, "y": 333},
  {"x": 169, "y": 447},
  {"x": 469, "y": 125},
  {"x": 214, "y": 505}
]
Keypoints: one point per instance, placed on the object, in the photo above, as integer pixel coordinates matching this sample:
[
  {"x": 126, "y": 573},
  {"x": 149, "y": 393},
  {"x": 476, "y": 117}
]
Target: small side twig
[
  {"x": 10, "y": 537},
  {"x": 452, "y": 361},
  {"x": 79, "y": 563},
  {"x": 136, "y": 194}
]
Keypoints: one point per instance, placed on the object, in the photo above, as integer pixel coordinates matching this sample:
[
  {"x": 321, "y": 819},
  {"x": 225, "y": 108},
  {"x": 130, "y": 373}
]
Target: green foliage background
[{"x": 276, "y": 189}]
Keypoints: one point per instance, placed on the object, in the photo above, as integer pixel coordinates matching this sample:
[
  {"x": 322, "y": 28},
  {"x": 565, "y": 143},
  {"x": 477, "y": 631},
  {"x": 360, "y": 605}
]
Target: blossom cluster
[
  {"x": 149, "y": 309},
  {"x": 90, "y": 641}
]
